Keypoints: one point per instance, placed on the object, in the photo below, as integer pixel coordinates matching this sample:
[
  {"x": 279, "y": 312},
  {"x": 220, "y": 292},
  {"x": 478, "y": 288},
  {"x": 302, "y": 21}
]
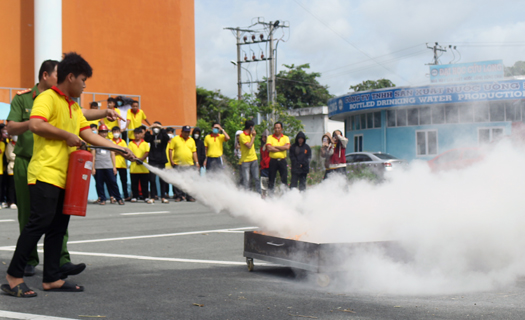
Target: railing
[{"x": 9, "y": 93}]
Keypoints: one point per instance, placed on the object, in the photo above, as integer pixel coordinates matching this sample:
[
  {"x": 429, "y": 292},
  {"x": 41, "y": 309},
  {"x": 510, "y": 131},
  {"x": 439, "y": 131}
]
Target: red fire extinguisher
[{"x": 77, "y": 183}]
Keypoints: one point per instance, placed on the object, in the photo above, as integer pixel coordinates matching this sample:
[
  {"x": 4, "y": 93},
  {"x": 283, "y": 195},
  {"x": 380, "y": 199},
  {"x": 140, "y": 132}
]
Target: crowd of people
[{"x": 45, "y": 124}]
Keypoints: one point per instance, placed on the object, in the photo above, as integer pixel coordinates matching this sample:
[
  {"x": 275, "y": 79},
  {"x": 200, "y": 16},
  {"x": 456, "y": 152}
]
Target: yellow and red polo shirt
[
  {"x": 139, "y": 149},
  {"x": 135, "y": 121},
  {"x": 120, "y": 160},
  {"x": 111, "y": 124},
  {"x": 214, "y": 144},
  {"x": 277, "y": 142},
  {"x": 51, "y": 157},
  {"x": 247, "y": 154},
  {"x": 2, "y": 151},
  {"x": 183, "y": 150}
]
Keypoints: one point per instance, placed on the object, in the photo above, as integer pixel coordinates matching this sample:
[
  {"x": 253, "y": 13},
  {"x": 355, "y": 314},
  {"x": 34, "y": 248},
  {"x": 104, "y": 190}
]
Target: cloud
[{"x": 326, "y": 34}]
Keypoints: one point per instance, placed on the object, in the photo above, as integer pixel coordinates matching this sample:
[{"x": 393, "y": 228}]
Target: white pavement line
[
  {"x": 12, "y": 248},
  {"x": 7, "y": 220},
  {"x": 137, "y": 213},
  {"x": 158, "y": 235},
  {"x": 27, "y": 316},
  {"x": 129, "y": 256}
]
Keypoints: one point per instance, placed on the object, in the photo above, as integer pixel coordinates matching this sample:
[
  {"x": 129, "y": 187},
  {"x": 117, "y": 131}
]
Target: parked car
[
  {"x": 458, "y": 158},
  {"x": 378, "y": 162}
]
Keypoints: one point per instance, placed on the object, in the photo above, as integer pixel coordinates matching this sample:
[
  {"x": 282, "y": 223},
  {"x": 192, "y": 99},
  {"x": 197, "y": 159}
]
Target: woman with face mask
[
  {"x": 158, "y": 139},
  {"x": 199, "y": 143}
]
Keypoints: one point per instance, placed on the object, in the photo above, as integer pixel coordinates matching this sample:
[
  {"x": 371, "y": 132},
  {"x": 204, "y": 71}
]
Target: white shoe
[
  {"x": 164, "y": 200},
  {"x": 13, "y": 206},
  {"x": 133, "y": 199},
  {"x": 149, "y": 201},
  {"x": 4, "y": 205}
]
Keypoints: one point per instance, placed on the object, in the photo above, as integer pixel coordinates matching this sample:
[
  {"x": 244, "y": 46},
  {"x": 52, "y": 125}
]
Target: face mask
[
  {"x": 170, "y": 135},
  {"x": 95, "y": 131},
  {"x": 156, "y": 130},
  {"x": 15, "y": 138},
  {"x": 116, "y": 135},
  {"x": 215, "y": 130},
  {"x": 119, "y": 103},
  {"x": 196, "y": 136},
  {"x": 325, "y": 140}
]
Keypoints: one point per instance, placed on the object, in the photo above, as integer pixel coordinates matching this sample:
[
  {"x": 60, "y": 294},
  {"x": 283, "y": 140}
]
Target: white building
[{"x": 316, "y": 123}]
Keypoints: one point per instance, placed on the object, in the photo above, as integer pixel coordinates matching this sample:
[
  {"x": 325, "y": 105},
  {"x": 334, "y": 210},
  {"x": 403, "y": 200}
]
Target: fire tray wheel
[
  {"x": 249, "y": 263},
  {"x": 323, "y": 280}
]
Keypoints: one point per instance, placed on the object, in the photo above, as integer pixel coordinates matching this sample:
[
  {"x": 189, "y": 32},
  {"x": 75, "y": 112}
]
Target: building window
[
  {"x": 401, "y": 117},
  {"x": 426, "y": 143},
  {"x": 486, "y": 135},
  {"x": 512, "y": 112},
  {"x": 452, "y": 113},
  {"x": 438, "y": 115},
  {"x": 357, "y": 123},
  {"x": 481, "y": 112},
  {"x": 466, "y": 113},
  {"x": 391, "y": 118},
  {"x": 352, "y": 127},
  {"x": 425, "y": 117},
  {"x": 369, "y": 120},
  {"x": 497, "y": 111},
  {"x": 363, "y": 121},
  {"x": 413, "y": 116},
  {"x": 377, "y": 119},
  {"x": 358, "y": 143}
]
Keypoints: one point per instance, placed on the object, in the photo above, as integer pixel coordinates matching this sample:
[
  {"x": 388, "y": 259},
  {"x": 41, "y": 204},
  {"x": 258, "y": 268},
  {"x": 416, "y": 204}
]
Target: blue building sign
[
  {"x": 427, "y": 95},
  {"x": 473, "y": 71}
]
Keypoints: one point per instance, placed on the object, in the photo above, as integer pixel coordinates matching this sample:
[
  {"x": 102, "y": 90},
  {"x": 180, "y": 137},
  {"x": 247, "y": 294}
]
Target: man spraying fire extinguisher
[{"x": 58, "y": 126}]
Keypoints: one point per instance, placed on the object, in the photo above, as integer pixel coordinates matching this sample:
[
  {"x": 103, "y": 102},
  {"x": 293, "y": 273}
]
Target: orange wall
[
  {"x": 17, "y": 53},
  {"x": 135, "y": 47}
]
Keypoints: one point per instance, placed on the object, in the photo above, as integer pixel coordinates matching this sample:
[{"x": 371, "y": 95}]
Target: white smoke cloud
[{"x": 461, "y": 230}]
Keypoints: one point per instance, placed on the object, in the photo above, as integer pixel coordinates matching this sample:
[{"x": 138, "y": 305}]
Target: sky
[{"x": 350, "y": 41}]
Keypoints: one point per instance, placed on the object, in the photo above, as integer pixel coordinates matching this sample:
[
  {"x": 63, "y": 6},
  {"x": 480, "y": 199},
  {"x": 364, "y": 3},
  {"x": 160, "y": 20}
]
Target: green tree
[
  {"x": 517, "y": 69},
  {"x": 211, "y": 105},
  {"x": 371, "y": 84},
  {"x": 296, "y": 88}
]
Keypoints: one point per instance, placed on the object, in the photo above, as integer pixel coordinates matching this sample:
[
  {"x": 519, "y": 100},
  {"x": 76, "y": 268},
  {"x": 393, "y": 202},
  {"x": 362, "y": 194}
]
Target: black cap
[{"x": 186, "y": 128}]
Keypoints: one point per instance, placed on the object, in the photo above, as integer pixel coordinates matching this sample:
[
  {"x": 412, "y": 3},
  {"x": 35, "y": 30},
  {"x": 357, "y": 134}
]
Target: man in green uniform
[{"x": 18, "y": 124}]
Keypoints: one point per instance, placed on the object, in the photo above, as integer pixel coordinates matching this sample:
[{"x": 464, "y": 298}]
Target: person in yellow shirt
[
  {"x": 122, "y": 168},
  {"x": 277, "y": 144},
  {"x": 112, "y": 102},
  {"x": 249, "y": 166},
  {"x": 134, "y": 119},
  {"x": 138, "y": 172},
  {"x": 2, "y": 152},
  {"x": 214, "y": 147},
  {"x": 183, "y": 155},
  {"x": 58, "y": 125},
  {"x": 94, "y": 106}
]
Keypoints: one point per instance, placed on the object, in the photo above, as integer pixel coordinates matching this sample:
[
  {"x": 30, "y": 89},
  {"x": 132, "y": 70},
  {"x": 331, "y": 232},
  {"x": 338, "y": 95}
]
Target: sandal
[
  {"x": 120, "y": 202},
  {"x": 102, "y": 203},
  {"x": 18, "y": 291},
  {"x": 67, "y": 287}
]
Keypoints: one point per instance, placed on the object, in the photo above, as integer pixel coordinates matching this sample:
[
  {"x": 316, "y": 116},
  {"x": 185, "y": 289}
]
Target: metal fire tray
[{"x": 314, "y": 257}]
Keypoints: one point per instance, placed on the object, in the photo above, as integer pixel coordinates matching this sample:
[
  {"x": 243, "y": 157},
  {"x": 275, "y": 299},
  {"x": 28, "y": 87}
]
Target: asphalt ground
[{"x": 182, "y": 261}]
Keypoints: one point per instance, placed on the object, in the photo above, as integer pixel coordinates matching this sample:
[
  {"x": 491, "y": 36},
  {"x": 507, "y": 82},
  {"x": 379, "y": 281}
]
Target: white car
[{"x": 378, "y": 162}]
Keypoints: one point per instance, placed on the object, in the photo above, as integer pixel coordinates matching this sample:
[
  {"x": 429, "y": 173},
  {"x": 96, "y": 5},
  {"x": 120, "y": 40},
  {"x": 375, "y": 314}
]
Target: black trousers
[
  {"x": 106, "y": 176},
  {"x": 164, "y": 188},
  {"x": 277, "y": 165},
  {"x": 143, "y": 179},
  {"x": 298, "y": 177},
  {"x": 46, "y": 218},
  {"x": 214, "y": 163},
  {"x": 123, "y": 175}
]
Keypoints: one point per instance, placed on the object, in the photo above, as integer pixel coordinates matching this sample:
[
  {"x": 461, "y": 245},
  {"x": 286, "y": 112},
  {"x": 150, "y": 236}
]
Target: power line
[
  {"x": 377, "y": 57},
  {"x": 350, "y": 43}
]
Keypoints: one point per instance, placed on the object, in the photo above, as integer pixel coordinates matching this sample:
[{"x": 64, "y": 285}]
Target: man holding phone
[{"x": 249, "y": 166}]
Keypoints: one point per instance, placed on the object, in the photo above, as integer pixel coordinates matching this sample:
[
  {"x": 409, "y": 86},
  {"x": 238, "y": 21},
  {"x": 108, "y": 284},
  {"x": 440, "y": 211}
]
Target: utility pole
[
  {"x": 239, "y": 84},
  {"x": 272, "y": 26},
  {"x": 436, "y": 48}
]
